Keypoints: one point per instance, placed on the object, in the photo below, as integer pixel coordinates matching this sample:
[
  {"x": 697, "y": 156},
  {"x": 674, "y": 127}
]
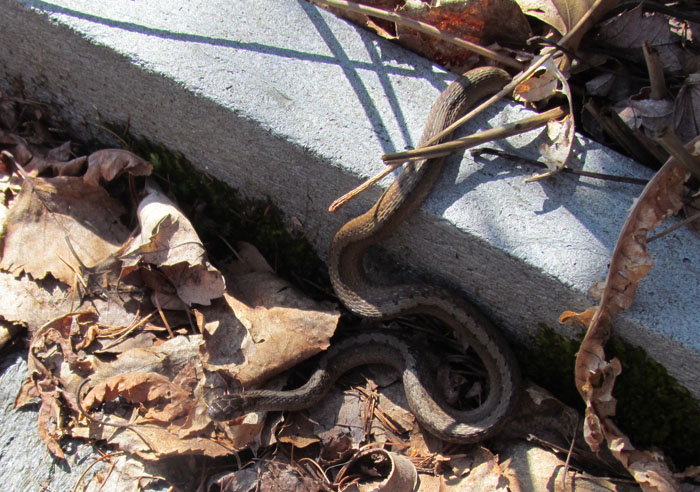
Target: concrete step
[{"x": 283, "y": 100}]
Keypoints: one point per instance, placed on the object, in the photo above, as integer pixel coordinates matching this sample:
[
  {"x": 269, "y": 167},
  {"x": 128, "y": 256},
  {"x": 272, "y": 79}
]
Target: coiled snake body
[{"x": 369, "y": 299}]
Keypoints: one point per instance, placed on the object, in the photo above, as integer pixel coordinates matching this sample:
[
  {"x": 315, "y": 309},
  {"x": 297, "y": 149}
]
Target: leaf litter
[{"x": 146, "y": 378}]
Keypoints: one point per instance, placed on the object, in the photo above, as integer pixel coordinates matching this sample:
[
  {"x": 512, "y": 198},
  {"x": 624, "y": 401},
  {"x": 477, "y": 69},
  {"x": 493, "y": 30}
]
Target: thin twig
[
  {"x": 674, "y": 227},
  {"x": 422, "y": 27},
  {"x": 568, "y": 455}
]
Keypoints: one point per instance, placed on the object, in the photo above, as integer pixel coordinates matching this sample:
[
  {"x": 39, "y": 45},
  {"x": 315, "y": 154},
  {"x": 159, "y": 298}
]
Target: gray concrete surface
[
  {"x": 33, "y": 468},
  {"x": 281, "y": 99}
]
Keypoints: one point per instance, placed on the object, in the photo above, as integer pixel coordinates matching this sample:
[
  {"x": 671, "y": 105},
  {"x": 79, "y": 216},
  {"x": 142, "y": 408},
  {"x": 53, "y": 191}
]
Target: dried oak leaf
[
  {"x": 629, "y": 264},
  {"x": 107, "y": 164},
  {"x": 49, "y": 212},
  {"x": 275, "y": 326},
  {"x": 168, "y": 241}
]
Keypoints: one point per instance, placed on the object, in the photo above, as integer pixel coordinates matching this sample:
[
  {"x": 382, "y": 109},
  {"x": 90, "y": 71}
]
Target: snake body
[{"x": 373, "y": 300}]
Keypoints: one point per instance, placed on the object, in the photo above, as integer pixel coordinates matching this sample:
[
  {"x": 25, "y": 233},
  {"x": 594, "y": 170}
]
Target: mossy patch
[
  {"x": 221, "y": 216},
  {"x": 653, "y": 409}
]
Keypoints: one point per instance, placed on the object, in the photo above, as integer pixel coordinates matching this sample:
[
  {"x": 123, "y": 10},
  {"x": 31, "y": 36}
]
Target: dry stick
[
  {"x": 449, "y": 147},
  {"x": 673, "y": 145},
  {"x": 674, "y": 227},
  {"x": 505, "y": 131},
  {"x": 422, "y": 27}
]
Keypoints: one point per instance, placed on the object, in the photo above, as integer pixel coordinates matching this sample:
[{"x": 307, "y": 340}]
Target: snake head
[{"x": 227, "y": 407}]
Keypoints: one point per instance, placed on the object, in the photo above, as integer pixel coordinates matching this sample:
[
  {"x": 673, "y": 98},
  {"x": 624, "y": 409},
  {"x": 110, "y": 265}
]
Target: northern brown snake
[{"x": 372, "y": 300}]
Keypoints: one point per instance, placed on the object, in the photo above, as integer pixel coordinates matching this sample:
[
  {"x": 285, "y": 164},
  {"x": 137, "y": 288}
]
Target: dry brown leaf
[
  {"x": 531, "y": 468},
  {"x": 476, "y": 470},
  {"x": 629, "y": 264},
  {"x": 56, "y": 160},
  {"x": 273, "y": 328},
  {"x": 47, "y": 212},
  {"x": 628, "y": 31},
  {"x": 28, "y": 303},
  {"x": 126, "y": 474},
  {"x": 43, "y": 360},
  {"x": 380, "y": 471},
  {"x": 107, "y": 164},
  {"x": 168, "y": 241},
  {"x": 479, "y": 21},
  {"x": 266, "y": 475},
  {"x": 560, "y": 14}
]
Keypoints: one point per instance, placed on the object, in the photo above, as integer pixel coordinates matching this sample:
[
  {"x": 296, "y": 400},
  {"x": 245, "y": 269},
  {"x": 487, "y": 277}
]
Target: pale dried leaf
[
  {"x": 46, "y": 213},
  {"x": 642, "y": 112},
  {"x": 340, "y": 415},
  {"x": 531, "y": 468},
  {"x": 168, "y": 241},
  {"x": 30, "y": 304},
  {"x": 107, "y": 164},
  {"x": 275, "y": 326},
  {"x": 543, "y": 84},
  {"x": 127, "y": 474},
  {"x": 478, "y": 469},
  {"x": 167, "y": 358},
  {"x": 560, "y": 14}
]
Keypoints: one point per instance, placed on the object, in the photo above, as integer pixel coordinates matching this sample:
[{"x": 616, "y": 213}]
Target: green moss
[
  {"x": 218, "y": 213},
  {"x": 549, "y": 361},
  {"x": 653, "y": 409}
]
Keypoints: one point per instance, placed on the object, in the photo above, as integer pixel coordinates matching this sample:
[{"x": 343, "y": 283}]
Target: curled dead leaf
[
  {"x": 168, "y": 241},
  {"x": 395, "y": 472},
  {"x": 107, "y": 164},
  {"x": 629, "y": 264}
]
